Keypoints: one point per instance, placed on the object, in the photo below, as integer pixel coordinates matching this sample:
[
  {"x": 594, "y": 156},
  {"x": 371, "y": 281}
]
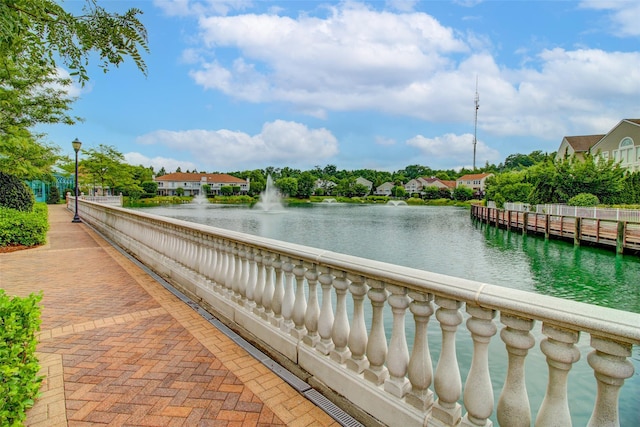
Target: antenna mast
[{"x": 475, "y": 128}]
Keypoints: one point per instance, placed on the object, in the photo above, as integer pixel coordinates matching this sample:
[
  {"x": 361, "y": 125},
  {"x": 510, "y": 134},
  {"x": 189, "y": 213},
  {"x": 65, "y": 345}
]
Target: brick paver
[{"x": 117, "y": 349}]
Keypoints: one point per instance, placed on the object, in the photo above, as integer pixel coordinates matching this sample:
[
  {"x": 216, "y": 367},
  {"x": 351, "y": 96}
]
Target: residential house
[
  {"x": 418, "y": 185},
  {"x": 384, "y": 189},
  {"x": 475, "y": 181},
  {"x": 191, "y": 183},
  {"x": 326, "y": 185},
  {"x": 621, "y": 143},
  {"x": 576, "y": 146},
  {"x": 414, "y": 186},
  {"x": 365, "y": 182}
]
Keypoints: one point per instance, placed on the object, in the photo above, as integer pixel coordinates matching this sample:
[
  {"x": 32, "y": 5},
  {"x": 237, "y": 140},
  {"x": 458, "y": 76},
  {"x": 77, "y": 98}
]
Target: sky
[{"x": 238, "y": 85}]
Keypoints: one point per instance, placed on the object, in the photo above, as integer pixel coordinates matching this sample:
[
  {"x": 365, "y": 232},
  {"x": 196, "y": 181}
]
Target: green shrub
[
  {"x": 15, "y": 194},
  {"x": 415, "y": 201},
  {"x": 54, "y": 195},
  {"x": 19, "y": 381},
  {"x": 24, "y": 228},
  {"x": 584, "y": 199}
]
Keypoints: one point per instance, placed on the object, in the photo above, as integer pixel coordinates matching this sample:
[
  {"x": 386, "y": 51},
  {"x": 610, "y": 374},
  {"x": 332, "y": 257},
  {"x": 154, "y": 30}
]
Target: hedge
[
  {"x": 24, "y": 228},
  {"x": 19, "y": 380}
]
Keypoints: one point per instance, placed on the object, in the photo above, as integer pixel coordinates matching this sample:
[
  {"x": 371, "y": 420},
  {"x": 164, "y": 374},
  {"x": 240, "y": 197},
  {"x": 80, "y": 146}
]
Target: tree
[
  {"x": 105, "y": 166},
  {"x": 288, "y": 186},
  {"x": 180, "y": 191},
  {"x": 306, "y": 182},
  {"x": 150, "y": 187},
  {"x": 34, "y": 34},
  {"x": 462, "y": 193},
  {"x": 206, "y": 189}
]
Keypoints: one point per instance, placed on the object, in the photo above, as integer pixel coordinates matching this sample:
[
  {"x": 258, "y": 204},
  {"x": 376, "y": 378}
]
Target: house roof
[
  {"x": 211, "y": 177},
  {"x": 634, "y": 121},
  {"x": 583, "y": 143},
  {"x": 474, "y": 176},
  {"x": 433, "y": 179}
]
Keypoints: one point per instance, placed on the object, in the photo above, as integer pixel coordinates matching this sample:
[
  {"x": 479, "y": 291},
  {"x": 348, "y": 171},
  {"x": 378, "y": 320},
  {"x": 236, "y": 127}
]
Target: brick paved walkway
[{"x": 118, "y": 349}]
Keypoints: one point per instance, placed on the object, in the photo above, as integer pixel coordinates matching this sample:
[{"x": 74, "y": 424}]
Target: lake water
[{"x": 445, "y": 240}]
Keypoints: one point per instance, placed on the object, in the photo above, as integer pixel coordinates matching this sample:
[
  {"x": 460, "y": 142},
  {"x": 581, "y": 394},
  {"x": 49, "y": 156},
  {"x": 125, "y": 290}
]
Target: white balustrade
[{"x": 271, "y": 289}]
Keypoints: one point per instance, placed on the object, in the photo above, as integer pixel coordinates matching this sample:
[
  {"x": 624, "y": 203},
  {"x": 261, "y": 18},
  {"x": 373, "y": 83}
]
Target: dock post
[
  {"x": 546, "y": 226},
  {"x": 622, "y": 231},
  {"x": 525, "y": 219},
  {"x": 577, "y": 233}
]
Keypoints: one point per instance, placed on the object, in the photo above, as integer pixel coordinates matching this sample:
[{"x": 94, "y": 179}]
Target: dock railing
[
  {"x": 615, "y": 214},
  {"x": 324, "y": 311}
]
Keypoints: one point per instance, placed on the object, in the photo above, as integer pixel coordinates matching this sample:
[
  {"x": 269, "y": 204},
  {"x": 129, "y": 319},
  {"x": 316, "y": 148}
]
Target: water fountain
[
  {"x": 397, "y": 203},
  {"x": 270, "y": 200},
  {"x": 200, "y": 199}
]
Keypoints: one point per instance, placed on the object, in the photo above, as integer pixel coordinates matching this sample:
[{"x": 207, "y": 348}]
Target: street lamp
[{"x": 76, "y": 147}]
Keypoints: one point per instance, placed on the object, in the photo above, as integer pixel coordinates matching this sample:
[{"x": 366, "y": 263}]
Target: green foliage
[
  {"x": 15, "y": 194},
  {"x": 225, "y": 190},
  {"x": 180, "y": 191},
  {"x": 557, "y": 182},
  {"x": 23, "y": 155},
  {"x": 462, "y": 194},
  {"x": 151, "y": 187},
  {"x": 54, "y": 195},
  {"x": 24, "y": 228},
  {"x": 415, "y": 201},
  {"x": 508, "y": 187},
  {"x": 630, "y": 188},
  {"x": 206, "y": 189},
  {"x": 288, "y": 186},
  {"x": 398, "y": 191},
  {"x": 19, "y": 381},
  {"x": 584, "y": 199}
]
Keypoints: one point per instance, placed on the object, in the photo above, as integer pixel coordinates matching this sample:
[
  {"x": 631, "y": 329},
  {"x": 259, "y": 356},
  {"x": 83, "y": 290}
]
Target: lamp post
[{"x": 76, "y": 147}]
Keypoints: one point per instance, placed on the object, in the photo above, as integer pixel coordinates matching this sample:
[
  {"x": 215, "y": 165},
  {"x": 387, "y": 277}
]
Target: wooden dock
[{"x": 622, "y": 236}]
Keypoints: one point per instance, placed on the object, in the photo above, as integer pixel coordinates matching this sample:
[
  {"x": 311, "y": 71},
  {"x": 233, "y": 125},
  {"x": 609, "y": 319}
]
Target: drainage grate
[
  {"x": 330, "y": 408},
  {"x": 286, "y": 375}
]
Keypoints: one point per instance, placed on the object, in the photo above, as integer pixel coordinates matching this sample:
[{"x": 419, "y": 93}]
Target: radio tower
[{"x": 475, "y": 128}]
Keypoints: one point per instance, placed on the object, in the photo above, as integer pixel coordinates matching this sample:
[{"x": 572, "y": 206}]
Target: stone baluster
[
  {"x": 325, "y": 321},
  {"x": 358, "y": 334},
  {"x": 340, "y": 330},
  {"x": 561, "y": 351},
  {"x": 228, "y": 277},
  {"x": 209, "y": 260},
  {"x": 244, "y": 276},
  {"x": 289, "y": 297},
  {"x": 313, "y": 308},
  {"x": 420, "y": 370},
  {"x": 267, "y": 295},
  {"x": 448, "y": 385},
  {"x": 252, "y": 275},
  {"x": 398, "y": 358},
  {"x": 278, "y": 293},
  {"x": 377, "y": 372},
  {"x": 258, "y": 309},
  {"x": 478, "y": 391},
  {"x": 611, "y": 367},
  {"x": 513, "y": 405},
  {"x": 217, "y": 249},
  {"x": 237, "y": 272},
  {"x": 300, "y": 303},
  {"x": 224, "y": 266}
]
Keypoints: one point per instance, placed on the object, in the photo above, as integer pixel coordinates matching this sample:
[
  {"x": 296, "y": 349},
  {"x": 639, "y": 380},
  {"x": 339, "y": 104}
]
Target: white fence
[
  {"x": 295, "y": 299},
  {"x": 630, "y": 215},
  {"x": 105, "y": 200}
]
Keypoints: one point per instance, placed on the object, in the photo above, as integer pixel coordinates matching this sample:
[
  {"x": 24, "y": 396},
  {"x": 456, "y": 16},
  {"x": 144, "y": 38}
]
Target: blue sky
[{"x": 239, "y": 84}]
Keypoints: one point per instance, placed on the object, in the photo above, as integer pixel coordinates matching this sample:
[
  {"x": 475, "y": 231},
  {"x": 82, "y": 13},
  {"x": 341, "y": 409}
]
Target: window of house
[{"x": 626, "y": 151}]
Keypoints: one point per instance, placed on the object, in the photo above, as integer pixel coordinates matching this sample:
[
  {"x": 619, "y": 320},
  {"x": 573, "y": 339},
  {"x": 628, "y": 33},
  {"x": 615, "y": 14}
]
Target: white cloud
[
  {"x": 354, "y": 58},
  {"x": 453, "y": 149},
  {"x": 157, "y": 163},
  {"x": 624, "y": 15},
  {"x": 279, "y": 143}
]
